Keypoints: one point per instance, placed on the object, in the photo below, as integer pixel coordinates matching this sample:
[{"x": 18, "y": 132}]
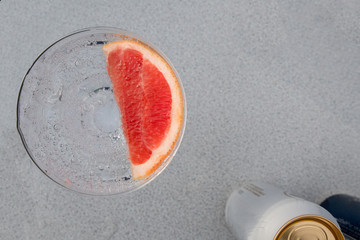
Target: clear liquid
[{"x": 71, "y": 122}]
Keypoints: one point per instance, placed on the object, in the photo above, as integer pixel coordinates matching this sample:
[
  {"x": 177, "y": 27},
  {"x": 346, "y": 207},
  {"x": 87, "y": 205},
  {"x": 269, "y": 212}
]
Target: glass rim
[{"x": 165, "y": 162}]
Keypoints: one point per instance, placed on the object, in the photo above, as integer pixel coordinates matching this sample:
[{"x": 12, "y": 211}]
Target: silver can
[{"x": 259, "y": 211}]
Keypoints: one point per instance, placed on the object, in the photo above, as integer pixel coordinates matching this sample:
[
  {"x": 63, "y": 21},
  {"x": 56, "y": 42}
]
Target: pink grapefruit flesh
[{"x": 150, "y": 101}]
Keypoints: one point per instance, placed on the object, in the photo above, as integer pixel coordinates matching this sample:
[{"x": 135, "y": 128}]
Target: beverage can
[
  {"x": 346, "y": 210},
  {"x": 259, "y": 211}
]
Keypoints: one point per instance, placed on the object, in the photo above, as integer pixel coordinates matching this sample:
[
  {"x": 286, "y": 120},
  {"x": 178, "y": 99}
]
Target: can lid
[{"x": 309, "y": 227}]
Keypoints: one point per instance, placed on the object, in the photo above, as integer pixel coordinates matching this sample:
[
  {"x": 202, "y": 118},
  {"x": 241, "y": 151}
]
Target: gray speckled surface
[{"x": 273, "y": 95}]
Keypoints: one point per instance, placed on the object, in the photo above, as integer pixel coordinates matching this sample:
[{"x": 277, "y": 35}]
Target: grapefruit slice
[{"x": 150, "y": 100}]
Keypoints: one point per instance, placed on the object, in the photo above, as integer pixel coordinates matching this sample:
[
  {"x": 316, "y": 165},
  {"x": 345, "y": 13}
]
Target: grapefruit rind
[{"x": 162, "y": 152}]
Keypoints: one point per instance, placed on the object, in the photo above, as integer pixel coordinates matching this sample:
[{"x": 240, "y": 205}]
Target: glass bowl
[{"x": 69, "y": 121}]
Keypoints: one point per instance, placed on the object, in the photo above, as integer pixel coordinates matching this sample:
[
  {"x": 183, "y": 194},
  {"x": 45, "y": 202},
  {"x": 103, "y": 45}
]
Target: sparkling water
[{"x": 69, "y": 120}]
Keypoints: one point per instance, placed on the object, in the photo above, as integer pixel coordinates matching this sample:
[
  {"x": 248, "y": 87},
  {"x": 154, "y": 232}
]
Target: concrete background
[{"x": 273, "y": 95}]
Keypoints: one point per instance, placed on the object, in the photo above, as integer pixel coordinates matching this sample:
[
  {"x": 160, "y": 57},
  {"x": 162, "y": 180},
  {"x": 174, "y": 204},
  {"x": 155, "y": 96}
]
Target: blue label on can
[{"x": 346, "y": 209}]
